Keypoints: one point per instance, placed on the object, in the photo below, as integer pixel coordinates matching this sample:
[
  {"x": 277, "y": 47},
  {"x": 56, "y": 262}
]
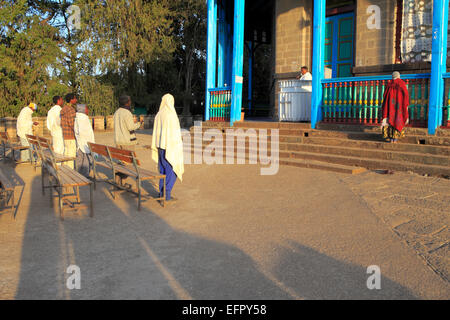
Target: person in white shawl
[
  {"x": 83, "y": 135},
  {"x": 167, "y": 145},
  {"x": 54, "y": 125},
  {"x": 25, "y": 126}
]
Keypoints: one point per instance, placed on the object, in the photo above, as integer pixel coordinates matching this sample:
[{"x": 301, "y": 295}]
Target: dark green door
[{"x": 339, "y": 39}]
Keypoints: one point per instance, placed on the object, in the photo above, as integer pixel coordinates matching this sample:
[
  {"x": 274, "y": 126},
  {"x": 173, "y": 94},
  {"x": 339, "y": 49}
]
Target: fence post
[
  {"x": 438, "y": 63},
  {"x": 318, "y": 61}
]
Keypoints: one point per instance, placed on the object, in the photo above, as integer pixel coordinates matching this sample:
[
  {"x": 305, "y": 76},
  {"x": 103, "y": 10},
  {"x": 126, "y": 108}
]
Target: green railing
[
  {"x": 446, "y": 110},
  {"x": 220, "y": 106},
  {"x": 358, "y": 100}
]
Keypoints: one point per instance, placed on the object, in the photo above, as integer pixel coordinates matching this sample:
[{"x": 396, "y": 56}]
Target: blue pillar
[
  {"x": 211, "y": 56},
  {"x": 438, "y": 63},
  {"x": 250, "y": 75},
  {"x": 221, "y": 68},
  {"x": 229, "y": 54},
  {"x": 318, "y": 60},
  {"x": 238, "y": 60}
]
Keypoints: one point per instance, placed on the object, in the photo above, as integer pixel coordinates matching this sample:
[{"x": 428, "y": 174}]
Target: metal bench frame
[
  {"x": 51, "y": 168},
  {"x": 8, "y": 143},
  {"x": 111, "y": 156}
]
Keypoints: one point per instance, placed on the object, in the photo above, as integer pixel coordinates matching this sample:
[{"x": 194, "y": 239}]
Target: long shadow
[
  {"x": 318, "y": 276},
  {"x": 41, "y": 273},
  {"x": 126, "y": 254},
  {"x": 19, "y": 187}
]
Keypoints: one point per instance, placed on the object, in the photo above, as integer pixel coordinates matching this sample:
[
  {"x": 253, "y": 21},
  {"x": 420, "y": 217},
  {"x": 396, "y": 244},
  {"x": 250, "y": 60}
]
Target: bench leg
[
  {"x": 42, "y": 181},
  {"x": 164, "y": 193},
  {"x": 139, "y": 193},
  {"x": 91, "y": 191},
  {"x": 60, "y": 198},
  {"x": 78, "y": 194},
  {"x": 13, "y": 206}
]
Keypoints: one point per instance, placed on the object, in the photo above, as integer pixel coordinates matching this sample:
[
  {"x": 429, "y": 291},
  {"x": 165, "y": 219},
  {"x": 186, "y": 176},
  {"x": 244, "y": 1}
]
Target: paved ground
[{"x": 302, "y": 234}]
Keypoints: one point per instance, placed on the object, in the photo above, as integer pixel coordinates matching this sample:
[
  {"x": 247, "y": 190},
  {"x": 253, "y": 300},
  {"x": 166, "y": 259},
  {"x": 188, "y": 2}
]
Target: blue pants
[{"x": 166, "y": 168}]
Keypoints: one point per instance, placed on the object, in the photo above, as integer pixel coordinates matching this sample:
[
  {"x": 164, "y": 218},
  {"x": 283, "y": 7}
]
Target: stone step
[
  {"x": 438, "y": 140},
  {"x": 325, "y": 166},
  {"x": 415, "y": 157},
  {"x": 366, "y": 128},
  {"x": 364, "y": 144},
  {"x": 373, "y": 164},
  {"x": 351, "y": 151},
  {"x": 302, "y": 163},
  {"x": 411, "y": 139},
  {"x": 417, "y": 163},
  {"x": 355, "y": 143}
]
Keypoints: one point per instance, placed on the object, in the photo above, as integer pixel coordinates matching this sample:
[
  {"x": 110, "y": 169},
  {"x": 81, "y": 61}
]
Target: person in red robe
[{"x": 395, "y": 109}]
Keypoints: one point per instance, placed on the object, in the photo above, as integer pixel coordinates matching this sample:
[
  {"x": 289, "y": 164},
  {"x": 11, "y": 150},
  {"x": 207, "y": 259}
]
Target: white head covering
[
  {"x": 167, "y": 135},
  {"x": 396, "y": 75}
]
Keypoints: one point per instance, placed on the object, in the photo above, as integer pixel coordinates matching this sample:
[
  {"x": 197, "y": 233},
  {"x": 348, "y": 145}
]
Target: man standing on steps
[
  {"x": 68, "y": 114},
  {"x": 125, "y": 126},
  {"x": 395, "y": 109},
  {"x": 54, "y": 125}
]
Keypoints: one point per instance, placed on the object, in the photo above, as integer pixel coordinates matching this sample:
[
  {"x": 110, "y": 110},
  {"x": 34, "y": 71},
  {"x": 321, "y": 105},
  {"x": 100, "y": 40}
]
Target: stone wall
[
  {"x": 293, "y": 41},
  {"x": 292, "y": 35},
  {"x": 373, "y": 46},
  {"x": 99, "y": 123}
]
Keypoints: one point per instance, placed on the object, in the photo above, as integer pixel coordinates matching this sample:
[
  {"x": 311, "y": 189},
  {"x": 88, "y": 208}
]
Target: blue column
[
  {"x": 250, "y": 75},
  {"x": 211, "y": 56},
  {"x": 221, "y": 68},
  {"x": 438, "y": 64},
  {"x": 229, "y": 62},
  {"x": 238, "y": 60},
  {"x": 318, "y": 60}
]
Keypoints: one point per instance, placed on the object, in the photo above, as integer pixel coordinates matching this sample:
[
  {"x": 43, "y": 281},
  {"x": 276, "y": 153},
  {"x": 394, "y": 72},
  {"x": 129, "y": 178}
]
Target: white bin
[{"x": 294, "y": 103}]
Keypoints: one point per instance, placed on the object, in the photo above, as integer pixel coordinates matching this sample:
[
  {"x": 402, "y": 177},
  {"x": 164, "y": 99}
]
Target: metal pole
[
  {"x": 438, "y": 64},
  {"x": 318, "y": 60},
  {"x": 211, "y": 57},
  {"x": 238, "y": 60},
  {"x": 222, "y": 46},
  {"x": 251, "y": 48}
]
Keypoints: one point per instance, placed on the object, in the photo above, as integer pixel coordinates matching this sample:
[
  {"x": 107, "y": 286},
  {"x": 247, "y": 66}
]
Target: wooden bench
[
  {"x": 121, "y": 164},
  {"x": 34, "y": 141},
  {"x": 6, "y": 192},
  {"x": 8, "y": 143},
  {"x": 62, "y": 178}
]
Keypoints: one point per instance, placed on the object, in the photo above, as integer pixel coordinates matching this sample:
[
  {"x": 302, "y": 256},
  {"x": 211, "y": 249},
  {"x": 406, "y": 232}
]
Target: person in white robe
[
  {"x": 54, "y": 125},
  {"x": 25, "y": 126},
  {"x": 167, "y": 145},
  {"x": 83, "y": 134}
]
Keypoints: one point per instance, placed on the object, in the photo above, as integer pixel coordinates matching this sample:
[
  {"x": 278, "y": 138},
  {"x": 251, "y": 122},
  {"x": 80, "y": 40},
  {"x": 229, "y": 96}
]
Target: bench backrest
[
  {"x": 33, "y": 140},
  {"x": 4, "y": 137},
  {"x": 99, "y": 149},
  {"x": 5, "y": 183},
  {"x": 126, "y": 156},
  {"x": 49, "y": 161},
  {"x": 45, "y": 142}
]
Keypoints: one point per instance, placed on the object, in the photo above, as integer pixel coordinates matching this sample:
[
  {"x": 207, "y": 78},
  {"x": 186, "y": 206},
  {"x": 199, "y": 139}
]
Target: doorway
[{"x": 339, "y": 44}]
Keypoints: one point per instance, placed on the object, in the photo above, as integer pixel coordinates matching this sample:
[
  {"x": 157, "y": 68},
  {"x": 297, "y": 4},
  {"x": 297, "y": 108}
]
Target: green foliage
[{"x": 144, "y": 48}]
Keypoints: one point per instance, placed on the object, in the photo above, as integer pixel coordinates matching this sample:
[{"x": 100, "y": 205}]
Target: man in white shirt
[
  {"x": 83, "y": 135},
  {"x": 54, "y": 125},
  {"x": 305, "y": 74},
  {"x": 125, "y": 126},
  {"x": 25, "y": 126}
]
